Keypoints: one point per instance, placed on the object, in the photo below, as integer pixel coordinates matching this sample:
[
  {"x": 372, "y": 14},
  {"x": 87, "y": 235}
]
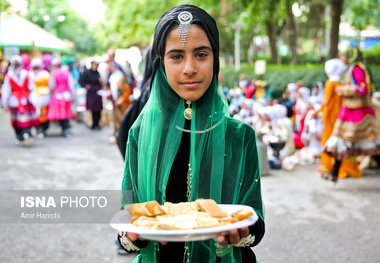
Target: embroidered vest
[
  {"x": 20, "y": 92},
  {"x": 353, "y": 100}
]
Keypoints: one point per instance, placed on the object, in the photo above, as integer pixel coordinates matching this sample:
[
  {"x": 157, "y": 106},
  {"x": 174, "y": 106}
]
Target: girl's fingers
[
  {"x": 221, "y": 239},
  {"x": 132, "y": 236},
  {"x": 244, "y": 232},
  {"x": 233, "y": 236}
]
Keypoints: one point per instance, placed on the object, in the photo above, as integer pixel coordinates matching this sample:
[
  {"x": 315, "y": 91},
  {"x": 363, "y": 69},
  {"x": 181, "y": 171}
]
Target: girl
[{"x": 185, "y": 146}]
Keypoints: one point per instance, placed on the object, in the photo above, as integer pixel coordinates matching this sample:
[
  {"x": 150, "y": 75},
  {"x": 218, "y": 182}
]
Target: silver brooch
[{"x": 184, "y": 19}]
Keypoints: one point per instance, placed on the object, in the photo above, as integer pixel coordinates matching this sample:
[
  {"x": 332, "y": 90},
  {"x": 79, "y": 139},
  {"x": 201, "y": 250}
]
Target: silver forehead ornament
[{"x": 184, "y": 19}]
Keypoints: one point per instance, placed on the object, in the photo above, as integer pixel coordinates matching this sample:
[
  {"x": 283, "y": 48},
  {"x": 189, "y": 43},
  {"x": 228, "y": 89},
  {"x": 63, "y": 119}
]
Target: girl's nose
[{"x": 189, "y": 67}]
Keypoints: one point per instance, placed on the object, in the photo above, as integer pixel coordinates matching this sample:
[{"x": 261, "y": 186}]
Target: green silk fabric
[{"x": 224, "y": 159}]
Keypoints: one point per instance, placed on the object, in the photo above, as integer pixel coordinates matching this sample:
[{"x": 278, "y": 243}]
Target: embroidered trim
[
  {"x": 127, "y": 243},
  {"x": 203, "y": 131},
  {"x": 246, "y": 241},
  {"x": 189, "y": 179}
]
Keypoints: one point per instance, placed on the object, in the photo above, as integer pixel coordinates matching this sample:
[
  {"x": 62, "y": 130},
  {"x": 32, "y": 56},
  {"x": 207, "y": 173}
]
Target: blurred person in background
[
  {"x": 335, "y": 69},
  {"x": 46, "y": 61},
  {"x": 111, "y": 59},
  {"x": 25, "y": 61},
  {"x": 120, "y": 92},
  {"x": 40, "y": 96},
  {"x": 62, "y": 88},
  {"x": 74, "y": 71},
  {"x": 15, "y": 97},
  {"x": 90, "y": 80},
  {"x": 355, "y": 130},
  {"x": 137, "y": 104},
  {"x": 317, "y": 93},
  {"x": 301, "y": 107}
]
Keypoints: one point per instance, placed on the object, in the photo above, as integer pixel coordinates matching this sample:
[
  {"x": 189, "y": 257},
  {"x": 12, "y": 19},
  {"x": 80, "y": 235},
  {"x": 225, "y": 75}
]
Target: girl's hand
[
  {"x": 233, "y": 236},
  {"x": 133, "y": 237}
]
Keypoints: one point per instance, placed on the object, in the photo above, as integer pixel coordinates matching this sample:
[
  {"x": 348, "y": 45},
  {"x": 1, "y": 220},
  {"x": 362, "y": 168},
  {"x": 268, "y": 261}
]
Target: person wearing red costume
[{"x": 15, "y": 98}]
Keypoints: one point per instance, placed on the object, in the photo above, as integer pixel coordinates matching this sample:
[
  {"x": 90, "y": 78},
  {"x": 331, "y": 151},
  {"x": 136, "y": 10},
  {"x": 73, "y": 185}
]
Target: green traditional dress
[{"x": 224, "y": 162}]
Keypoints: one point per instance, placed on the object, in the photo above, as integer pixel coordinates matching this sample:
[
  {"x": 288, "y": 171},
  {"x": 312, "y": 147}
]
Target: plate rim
[{"x": 167, "y": 234}]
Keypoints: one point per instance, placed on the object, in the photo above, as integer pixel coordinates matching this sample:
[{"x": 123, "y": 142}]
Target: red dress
[{"x": 24, "y": 115}]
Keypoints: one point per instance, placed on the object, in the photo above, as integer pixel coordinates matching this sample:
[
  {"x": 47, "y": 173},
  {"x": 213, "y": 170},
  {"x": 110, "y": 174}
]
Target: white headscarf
[
  {"x": 335, "y": 68},
  {"x": 318, "y": 97},
  {"x": 36, "y": 62},
  {"x": 305, "y": 93},
  {"x": 292, "y": 87},
  {"x": 16, "y": 73},
  {"x": 56, "y": 62},
  {"x": 36, "y": 74}
]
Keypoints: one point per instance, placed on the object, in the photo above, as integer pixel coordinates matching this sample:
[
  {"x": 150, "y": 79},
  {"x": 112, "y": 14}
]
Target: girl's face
[
  {"x": 344, "y": 58},
  {"x": 189, "y": 69}
]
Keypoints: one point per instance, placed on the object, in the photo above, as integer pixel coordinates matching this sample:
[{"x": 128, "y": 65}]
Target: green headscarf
[
  {"x": 353, "y": 54},
  {"x": 224, "y": 158}
]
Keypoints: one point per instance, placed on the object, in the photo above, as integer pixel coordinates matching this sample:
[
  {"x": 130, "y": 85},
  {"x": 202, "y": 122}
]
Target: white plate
[{"x": 182, "y": 235}]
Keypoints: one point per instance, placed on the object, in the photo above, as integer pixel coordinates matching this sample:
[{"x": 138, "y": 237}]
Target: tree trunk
[
  {"x": 292, "y": 35},
  {"x": 336, "y": 11},
  {"x": 272, "y": 41},
  {"x": 251, "y": 53}
]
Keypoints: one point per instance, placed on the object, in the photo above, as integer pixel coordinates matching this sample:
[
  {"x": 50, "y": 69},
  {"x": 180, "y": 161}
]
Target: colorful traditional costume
[
  {"x": 40, "y": 96},
  {"x": 355, "y": 130},
  {"x": 335, "y": 69},
  {"x": 15, "y": 96},
  {"x": 170, "y": 158},
  {"x": 62, "y": 89}
]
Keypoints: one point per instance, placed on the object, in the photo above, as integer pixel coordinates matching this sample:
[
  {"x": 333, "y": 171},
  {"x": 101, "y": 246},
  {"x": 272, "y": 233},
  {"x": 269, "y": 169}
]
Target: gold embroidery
[
  {"x": 127, "y": 243},
  {"x": 246, "y": 241},
  {"x": 189, "y": 179},
  {"x": 357, "y": 102}
]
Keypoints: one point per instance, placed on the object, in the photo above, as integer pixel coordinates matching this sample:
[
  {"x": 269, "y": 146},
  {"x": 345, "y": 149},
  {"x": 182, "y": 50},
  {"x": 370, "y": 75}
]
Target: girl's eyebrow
[
  {"x": 183, "y": 51},
  {"x": 175, "y": 51},
  {"x": 202, "y": 47}
]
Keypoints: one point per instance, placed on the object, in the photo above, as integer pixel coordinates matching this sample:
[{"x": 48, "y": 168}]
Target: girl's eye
[
  {"x": 176, "y": 57},
  {"x": 202, "y": 55}
]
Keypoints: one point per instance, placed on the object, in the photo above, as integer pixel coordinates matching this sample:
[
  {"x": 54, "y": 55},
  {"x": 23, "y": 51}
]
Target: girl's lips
[{"x": 191, "y": 85}]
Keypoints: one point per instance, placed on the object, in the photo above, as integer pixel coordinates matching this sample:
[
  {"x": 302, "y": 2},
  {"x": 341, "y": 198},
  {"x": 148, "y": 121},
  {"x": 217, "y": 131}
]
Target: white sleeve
[
  {"x": 71, "y": 83},
  {"x": 6, "y": 92},
  {"x": 51, "y": 83},
  {"x": 31, "y": 85}
]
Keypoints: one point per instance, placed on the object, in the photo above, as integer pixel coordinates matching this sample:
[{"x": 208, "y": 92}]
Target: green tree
[
  {"x": 312, "y": 22},
  {"x": 292, "y": 31},
  {"x": 60, "y": 19},
  {"x": 130, "y": 23},
  {"x": 4, "y": 5},
  {"x": 274, "y": 14},
  {"x": 362, "y": 13}
]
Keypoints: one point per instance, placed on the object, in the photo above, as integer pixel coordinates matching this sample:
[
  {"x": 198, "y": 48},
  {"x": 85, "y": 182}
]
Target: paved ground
[{"x": 307, "y": 219}]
